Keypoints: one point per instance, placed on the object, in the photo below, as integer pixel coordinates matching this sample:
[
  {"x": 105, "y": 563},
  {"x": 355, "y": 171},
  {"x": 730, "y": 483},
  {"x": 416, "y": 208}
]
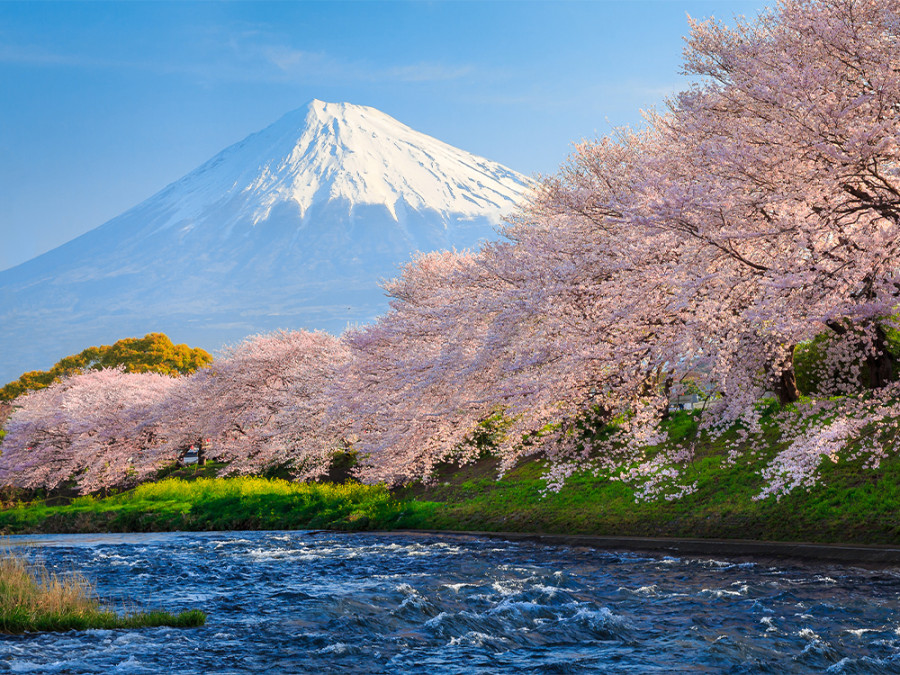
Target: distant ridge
[{"x": 292, "y": 227}]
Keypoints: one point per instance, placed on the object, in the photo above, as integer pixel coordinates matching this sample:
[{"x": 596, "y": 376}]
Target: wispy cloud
[
  {"x": 248, "y": 55},
  {"x": 300, "y": 65}
]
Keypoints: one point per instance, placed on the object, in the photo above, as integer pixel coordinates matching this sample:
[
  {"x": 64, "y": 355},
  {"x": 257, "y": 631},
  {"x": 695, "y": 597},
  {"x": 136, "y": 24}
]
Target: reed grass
[{"x": 35, "y": 599}]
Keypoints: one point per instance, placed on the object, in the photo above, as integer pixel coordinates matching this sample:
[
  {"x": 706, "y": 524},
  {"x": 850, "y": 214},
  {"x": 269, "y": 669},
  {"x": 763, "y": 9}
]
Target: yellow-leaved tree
[{"x": 153, "y": 353}]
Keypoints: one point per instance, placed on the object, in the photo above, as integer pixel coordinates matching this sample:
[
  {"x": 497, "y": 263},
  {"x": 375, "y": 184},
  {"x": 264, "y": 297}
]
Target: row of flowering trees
[{"x": 761, "y": 211}]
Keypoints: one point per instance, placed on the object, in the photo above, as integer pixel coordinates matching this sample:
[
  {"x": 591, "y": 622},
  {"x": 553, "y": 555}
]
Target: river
[{"x": 324, "y": 602}]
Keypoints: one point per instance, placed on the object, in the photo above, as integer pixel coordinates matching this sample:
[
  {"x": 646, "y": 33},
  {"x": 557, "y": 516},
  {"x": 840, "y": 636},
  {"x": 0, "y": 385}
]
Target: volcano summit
[{"x": 292, "y": 227}]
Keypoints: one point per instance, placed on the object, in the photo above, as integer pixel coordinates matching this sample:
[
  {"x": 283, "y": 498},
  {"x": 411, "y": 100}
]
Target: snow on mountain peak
[{"x": 339, "y": 151}]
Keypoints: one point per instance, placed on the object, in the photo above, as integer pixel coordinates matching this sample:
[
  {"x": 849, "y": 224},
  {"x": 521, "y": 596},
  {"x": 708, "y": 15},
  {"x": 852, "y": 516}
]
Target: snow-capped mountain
[{"x": 292, "y": 227}]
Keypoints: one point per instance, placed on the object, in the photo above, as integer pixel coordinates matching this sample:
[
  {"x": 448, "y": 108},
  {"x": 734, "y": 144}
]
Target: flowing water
[{"x": 321, "y": 602}]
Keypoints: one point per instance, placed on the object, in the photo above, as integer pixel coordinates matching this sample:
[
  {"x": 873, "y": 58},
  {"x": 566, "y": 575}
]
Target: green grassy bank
[
  {"x": 853, "y": 508},
  {"x": 851, "y": 504},
  {"x": 242, "y": 503}
]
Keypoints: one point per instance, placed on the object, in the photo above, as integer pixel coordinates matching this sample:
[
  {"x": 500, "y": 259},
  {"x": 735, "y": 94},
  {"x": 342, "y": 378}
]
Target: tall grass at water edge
[{"x": 34, "y": 599}]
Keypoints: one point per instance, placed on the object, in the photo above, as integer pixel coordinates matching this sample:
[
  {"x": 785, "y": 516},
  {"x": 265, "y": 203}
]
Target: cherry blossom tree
[
  {"x": 546, "y": 328},
  {"x": 96, "y": 427},
  {"x": 262, "y": 404},
  {"x": 411, "y": 390},
  {"x": 796, "y": 124},
  {"x": 780, "y": 167},
  {"x": 756, "y": 213},
  {"x": 784, "y": 158}
]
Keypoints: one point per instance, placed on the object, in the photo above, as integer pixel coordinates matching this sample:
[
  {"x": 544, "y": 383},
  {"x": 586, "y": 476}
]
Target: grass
[
  {"x": 33, "y": 599},
  {"x": 241, "y": 503},
  {"x": 851, "y": 504}
]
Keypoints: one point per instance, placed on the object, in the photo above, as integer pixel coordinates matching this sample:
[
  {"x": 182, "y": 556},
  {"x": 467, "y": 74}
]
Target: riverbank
[
  {"x": 851, "y": 503},
  {"x": 217, "y": 504},
  {"x": 853, "y": 506},
  {"x": 732, "y": 548}
]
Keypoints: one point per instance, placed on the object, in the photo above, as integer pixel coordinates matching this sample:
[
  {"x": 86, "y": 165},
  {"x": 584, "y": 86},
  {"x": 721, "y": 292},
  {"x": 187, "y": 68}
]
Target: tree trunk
[
  {"x": 785, "y": 382},
  {"x": 881, "y": 363},
  {"x": 667, "y": 392}
]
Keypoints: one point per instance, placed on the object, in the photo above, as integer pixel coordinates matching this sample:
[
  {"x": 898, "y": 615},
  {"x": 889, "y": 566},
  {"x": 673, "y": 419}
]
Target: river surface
[{"x": 322, "y": 602}]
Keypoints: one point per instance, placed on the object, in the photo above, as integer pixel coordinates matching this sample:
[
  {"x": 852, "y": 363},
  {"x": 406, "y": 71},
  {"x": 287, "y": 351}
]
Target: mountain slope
[{"x": 291, "y": 227}]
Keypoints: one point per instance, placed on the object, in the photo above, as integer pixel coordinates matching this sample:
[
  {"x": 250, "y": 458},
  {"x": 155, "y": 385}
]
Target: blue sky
[{"x": 105, "y": 103}]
